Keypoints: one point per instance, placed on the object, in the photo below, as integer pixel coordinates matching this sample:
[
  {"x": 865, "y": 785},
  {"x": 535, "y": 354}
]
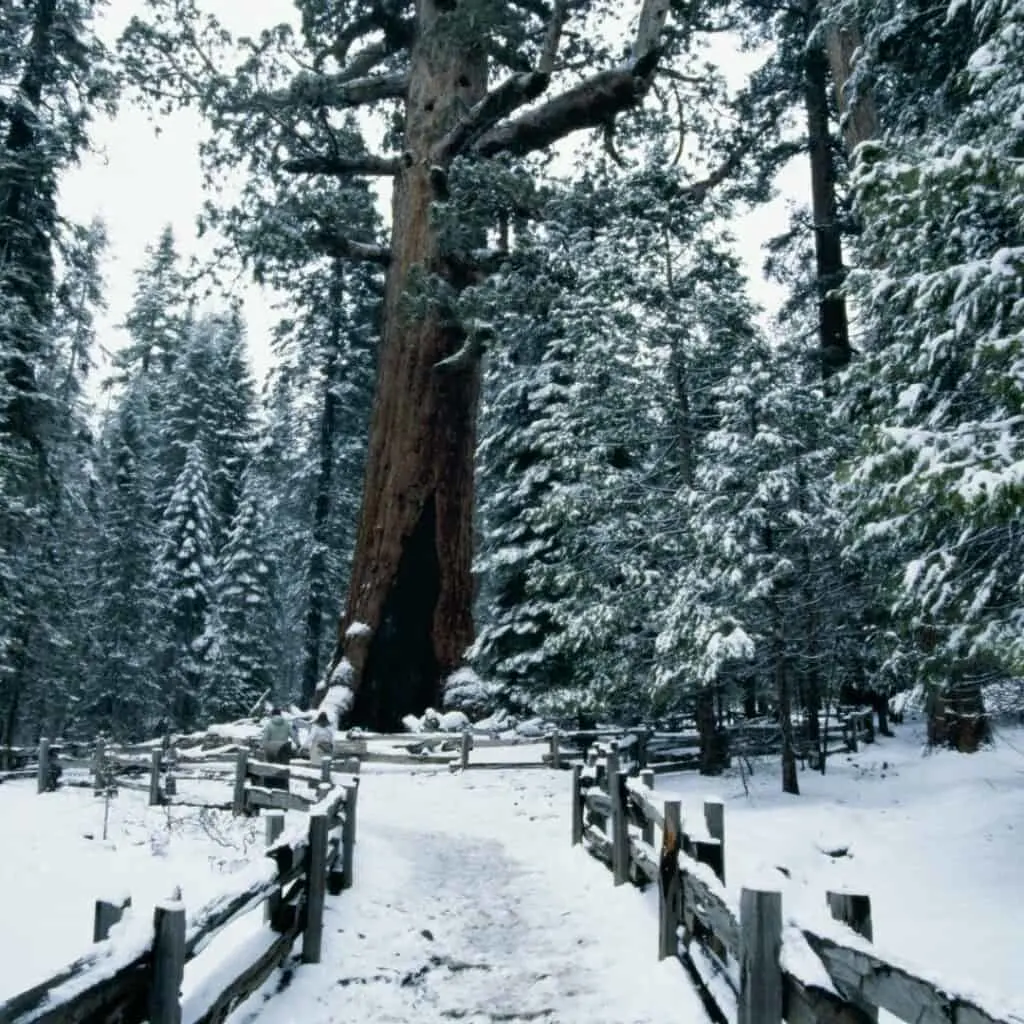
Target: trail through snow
[{"x": 470, "y": 905}]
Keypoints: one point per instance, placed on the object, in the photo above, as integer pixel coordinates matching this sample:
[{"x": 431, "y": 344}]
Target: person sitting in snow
[
  {"x": 321, "y": 739},
  {"x": 277, "y": 739}
]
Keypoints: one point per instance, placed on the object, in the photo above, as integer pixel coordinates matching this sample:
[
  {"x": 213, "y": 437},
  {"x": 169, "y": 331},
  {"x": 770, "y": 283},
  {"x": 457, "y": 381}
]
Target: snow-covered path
[{"x": 470, "y": 905}]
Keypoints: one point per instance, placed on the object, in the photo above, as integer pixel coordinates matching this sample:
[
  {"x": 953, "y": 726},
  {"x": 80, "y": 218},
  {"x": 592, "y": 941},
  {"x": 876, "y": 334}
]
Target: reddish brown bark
[
  {"x": 859, "y": 119},
  {"x": 411, "y": 575}
]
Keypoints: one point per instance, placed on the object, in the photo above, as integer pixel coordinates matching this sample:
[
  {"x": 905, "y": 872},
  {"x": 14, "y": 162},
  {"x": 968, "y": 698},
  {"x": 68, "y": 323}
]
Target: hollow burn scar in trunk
[{"x": 401, "y": 675}]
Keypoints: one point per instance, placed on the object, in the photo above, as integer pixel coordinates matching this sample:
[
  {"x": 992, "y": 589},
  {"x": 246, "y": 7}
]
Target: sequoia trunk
[{"x": 411, "y": 582}]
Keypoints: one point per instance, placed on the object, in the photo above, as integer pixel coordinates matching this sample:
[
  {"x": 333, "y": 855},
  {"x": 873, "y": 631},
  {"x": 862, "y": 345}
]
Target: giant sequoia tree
[
  {"x": 465, "y": 83},
  {"x": 411, "y": 582}
]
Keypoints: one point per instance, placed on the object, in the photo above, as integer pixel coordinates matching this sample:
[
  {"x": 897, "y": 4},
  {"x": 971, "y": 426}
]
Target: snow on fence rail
[
  {"x": 660, "y": 750},
  {"x": 751, "y": 965},
  {"x": 679, "y": 750},
  {"x": 136, "y": 975}
]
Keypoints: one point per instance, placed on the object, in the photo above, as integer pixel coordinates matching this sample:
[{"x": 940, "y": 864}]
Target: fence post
[
  {"x": 647, "y": 780},
  {"x": 577, "y": 805},
  {"x": 465, "y": 748},
  {"x": 106, "y": 915},
  {"x": 620, "y": 824},
  {"x": 241, "y": 767},
  {"x": 556, "y": 753},
  {"x": 348, "y": 835},
  {"x": 168, "y": 963},
  {"x": 99, "y": 757},
  {"x": 641, "y": 747},
  {"x": 714, "y": 818},
  {"x": 669, "y": 882},
  {"x": 854, "y": 909},
  {"x": 273, "y": 822},
  {"x": 316, "y": 879},
  {"x": 154, "y": 777},
  {"x": 869, "y": 726},
  {"x": 325, "y": 770},
  {"x": 43, "y": 768},
  {"x": 760, "y": 999}
]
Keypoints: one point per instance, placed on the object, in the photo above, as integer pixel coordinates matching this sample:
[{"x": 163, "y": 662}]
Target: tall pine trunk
[
  {"x": 833, "y": 330},
  {"x": 411, "y": 582}
]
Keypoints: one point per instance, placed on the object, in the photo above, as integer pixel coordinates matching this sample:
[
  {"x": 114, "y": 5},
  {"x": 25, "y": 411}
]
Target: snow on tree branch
[
  {"x": 336, "y": 91},
  {"x": 501, "y": 101},
  {"x": 590, "y": 104},
  {"x": 342, "y": 166},
  {"x": 331, "y": 243}
]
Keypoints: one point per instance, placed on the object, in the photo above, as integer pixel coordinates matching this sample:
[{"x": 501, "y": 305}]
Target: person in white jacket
[{"x": 321, "y": 739}]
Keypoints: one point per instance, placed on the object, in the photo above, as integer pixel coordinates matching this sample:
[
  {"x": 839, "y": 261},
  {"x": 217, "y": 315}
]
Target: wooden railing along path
[
  {"x": 137, "y": 975},
  {"x": 750, "y": 964}
]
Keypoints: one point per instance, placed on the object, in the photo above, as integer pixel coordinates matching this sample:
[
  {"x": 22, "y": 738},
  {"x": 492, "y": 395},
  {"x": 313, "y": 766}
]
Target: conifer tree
[
  {"x": 935, "y": 493},
  {"x": 54, "y": 75},
  {"x": 244, "y": 633},
  {"x": 184, "y": 580}
]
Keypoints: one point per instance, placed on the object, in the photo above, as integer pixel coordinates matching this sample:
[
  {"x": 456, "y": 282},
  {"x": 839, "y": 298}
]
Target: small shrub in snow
[{"x": 465, "y": 691}]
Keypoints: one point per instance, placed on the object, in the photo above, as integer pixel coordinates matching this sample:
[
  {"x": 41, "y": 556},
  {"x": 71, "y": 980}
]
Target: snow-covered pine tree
[
  {"x": 161, "y": 311},
  {"x": 751, "y": 599},
  {"x": 243, "y": 624},
  {"x": 54, "y": 75},
  {"x": 587, "y": 427},
  {"x": 211, "y": 401},
  {"x": 322, "y": 384},
  {"x": 936, "y": 492},
  {"x": 123, "y": 689},
  {"x": 184, "y": 578}
]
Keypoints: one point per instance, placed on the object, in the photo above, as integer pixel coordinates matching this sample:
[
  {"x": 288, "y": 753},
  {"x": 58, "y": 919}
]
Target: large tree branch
[
  {"x": 507, "y": 57},
  {"x": 342, "y": 166},
  {"x": 385, "y": 17},
  {"x": 474, "y": 267},
  {"x": 333, "y": 91},
  {"x": 331, "y": 243},
  {"x": 510, "y": 95},
  {"x": 590, "y": 104}
]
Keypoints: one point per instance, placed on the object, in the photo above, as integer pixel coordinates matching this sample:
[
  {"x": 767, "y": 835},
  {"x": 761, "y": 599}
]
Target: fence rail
[
  {"x": 137, "y": 976},
  {"x": 748, "y": 964}
]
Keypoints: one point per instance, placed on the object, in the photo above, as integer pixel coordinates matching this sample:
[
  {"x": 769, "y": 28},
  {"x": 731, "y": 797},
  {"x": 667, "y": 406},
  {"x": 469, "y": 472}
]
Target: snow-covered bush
[{"x": 465, "y": 691}]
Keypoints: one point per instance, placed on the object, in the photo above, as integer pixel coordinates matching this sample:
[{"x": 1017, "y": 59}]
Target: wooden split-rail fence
[
  {"x": 677, "y": 750},
  {"x": 750, "y": 965},
  {"x": 138, "y": 976}
]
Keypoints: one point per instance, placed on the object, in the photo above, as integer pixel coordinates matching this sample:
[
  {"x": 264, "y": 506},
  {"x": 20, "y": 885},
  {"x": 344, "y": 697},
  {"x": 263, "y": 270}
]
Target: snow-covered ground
[
  {"x": 471, "y": 905},
  {"x": 56, "y": 865},
  {"x": 936, "y": 839}
]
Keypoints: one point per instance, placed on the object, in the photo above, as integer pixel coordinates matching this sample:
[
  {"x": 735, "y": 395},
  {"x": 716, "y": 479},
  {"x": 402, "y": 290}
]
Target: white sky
[{"x": 139, "y": 179}]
